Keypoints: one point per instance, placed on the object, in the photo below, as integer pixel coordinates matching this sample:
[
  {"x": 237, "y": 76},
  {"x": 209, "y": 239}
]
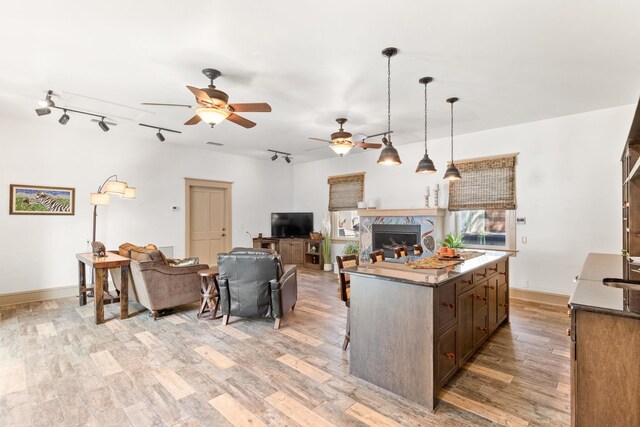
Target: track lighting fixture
[
  {"x": 287, "y": 156},
  {"x": 452, "y": 173},
  {"x": 389, "y": 155},
  {"x": 103, "y": 125},
  {"x": 64, "y": 118},
  {"x": 425, "y": 165},
  {"x": 43, "y": 111},
  {"x": 47, "y": 101},
  {"x": 159, "y": 134}
]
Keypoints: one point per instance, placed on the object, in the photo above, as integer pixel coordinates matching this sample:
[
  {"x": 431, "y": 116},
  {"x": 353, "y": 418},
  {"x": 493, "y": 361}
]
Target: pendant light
[
  {"x": 389, "y": 155},
  {"x": 452, "y": 173},
  {"x": 425, "y": 165}
]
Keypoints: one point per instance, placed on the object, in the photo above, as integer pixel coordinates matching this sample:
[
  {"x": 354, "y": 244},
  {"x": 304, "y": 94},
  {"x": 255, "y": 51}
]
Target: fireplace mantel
[{"x": 402, "y": 212}]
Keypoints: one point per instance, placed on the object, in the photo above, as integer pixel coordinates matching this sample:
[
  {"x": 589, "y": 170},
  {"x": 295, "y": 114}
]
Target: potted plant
[
  {"x": 452, "y": 241},
  {"x": 326, "y": 243},
  {"x": 351, "y": 248}
]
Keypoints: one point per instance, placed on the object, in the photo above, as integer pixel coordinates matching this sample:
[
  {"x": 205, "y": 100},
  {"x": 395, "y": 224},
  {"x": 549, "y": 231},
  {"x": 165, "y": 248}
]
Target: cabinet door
[
  {"x": 297, "y": 252},
  {"x": 492, "y": 302},
  {"x": 446, "y": 357},
  {"x": 447, "y": 309},
  {"x": 285, "y": 252},
  {"x": 480, "y": 327},
  {"x": 503, "y": 302},
  {"x": 481, "y": 295},
  {"x": 465, "y": 325}
]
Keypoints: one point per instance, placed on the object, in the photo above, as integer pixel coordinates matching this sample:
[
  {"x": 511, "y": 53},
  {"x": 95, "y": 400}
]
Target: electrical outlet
[{"x": 175, "y": 208}]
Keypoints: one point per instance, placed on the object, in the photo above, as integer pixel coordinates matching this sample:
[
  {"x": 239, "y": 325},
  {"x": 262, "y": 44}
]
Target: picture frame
[{"x": 41, "y": 200}]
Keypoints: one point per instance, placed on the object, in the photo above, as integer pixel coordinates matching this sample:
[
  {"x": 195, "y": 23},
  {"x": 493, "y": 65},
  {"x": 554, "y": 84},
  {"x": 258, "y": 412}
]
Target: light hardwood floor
[{"x": 58, "y": 368}]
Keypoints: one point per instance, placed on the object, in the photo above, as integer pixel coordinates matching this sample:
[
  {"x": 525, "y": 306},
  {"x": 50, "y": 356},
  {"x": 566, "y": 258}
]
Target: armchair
[
  {"x": 156, "y": 285},
  {"x": 254, "y": 283}
]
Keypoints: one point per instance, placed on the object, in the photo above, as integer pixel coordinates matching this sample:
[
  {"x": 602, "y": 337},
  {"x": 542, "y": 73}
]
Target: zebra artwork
[{"x": 52, "y": 204}]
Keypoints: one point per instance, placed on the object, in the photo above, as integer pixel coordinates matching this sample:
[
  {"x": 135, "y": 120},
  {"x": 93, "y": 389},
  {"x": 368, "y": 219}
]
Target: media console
[{"x": 301, "y": 251}]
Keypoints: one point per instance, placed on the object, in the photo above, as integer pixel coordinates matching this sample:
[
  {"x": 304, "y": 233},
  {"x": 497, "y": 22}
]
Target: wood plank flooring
[{"x": 57, "y": 368}]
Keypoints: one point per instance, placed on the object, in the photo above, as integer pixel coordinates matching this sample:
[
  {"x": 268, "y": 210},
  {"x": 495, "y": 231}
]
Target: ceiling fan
[
  {"x": 213, "y": 105},
  {"x": 342, "y": 142}
]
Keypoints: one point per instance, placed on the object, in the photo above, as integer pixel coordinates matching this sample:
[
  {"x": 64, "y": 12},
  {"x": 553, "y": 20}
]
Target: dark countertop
[
  {"x": 396, "y": 271},
  {"x": 590, "y": 294}
]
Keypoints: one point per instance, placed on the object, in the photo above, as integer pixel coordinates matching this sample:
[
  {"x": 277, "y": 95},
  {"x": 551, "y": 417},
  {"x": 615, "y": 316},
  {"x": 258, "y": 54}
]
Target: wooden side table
[
  {"x": 210, "y": 292},
  {"x": 102, "y": 265}
]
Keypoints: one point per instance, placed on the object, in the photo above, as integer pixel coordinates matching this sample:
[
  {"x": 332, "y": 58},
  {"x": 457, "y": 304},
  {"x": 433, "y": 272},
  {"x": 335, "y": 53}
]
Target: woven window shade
[
  {"x": 345, "y": 192},
  {"x": 485, "y": 184}
]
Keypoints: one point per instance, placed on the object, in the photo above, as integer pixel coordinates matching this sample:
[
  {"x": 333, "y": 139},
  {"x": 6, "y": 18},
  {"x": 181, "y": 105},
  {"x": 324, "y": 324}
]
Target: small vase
[{"x": 328, "y": 267}]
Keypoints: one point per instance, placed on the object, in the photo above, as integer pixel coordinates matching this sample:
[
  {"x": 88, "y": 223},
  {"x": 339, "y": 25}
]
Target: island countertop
[
  {"x": 395, "y": 270},
  {"x": 591, "y": 294}
]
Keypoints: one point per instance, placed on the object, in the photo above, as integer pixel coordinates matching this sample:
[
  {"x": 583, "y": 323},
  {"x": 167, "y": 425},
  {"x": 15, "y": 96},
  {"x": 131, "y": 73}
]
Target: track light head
[
  {"x": 160, "y": 136},
  {"x": 287, "y": 159},
  {"x": 47, "y": 101},
  {"x": 103, "y": 125},
  {"x": 274, "y": 157},
  {"x": 64, "y": 118},
  {"x": 43, "y": 111}
]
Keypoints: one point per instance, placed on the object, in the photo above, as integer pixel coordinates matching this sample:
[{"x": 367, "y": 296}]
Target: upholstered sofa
[
  {"x": 157, "y": 285},
  {"x": 254, "y": 283}
]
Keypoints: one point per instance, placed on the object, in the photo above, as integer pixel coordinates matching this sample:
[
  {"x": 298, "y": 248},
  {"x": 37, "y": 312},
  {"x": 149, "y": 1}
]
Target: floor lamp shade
[
  {"x": 117, "y": 188},
  {"x": 96, "y": 199},
  {"x": 130, "y": 193}
]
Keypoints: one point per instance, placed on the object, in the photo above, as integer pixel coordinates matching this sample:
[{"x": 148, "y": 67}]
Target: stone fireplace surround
[{"x": 430, "y": 220}]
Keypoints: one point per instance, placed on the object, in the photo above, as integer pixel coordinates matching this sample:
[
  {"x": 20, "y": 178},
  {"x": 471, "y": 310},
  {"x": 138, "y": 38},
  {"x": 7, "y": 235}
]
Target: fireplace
[{"x": 388, "y": 236}]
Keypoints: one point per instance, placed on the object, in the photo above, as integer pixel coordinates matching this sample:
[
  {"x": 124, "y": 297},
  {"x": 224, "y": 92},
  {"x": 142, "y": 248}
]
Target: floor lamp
[{"x": 110, "y": 187}]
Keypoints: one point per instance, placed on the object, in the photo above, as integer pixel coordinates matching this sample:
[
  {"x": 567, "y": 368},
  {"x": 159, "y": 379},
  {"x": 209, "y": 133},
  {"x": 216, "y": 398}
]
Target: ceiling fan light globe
[
  {"x": 389, "y": 156},
  {"x": 212, "y": 116},
  {"x": 341, "y": 149},
  {"x": 425, "y": 165}
]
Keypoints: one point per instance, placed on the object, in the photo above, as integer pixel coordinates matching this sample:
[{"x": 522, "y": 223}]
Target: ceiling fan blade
[
  {"x": 201, "y": 95},
  {"x": 365, "y": 145},
  {"x": 257, "y": 107},
  {"x": 166, "y": 105},
  {"x": 193, "y": 120},
  {"x": 318, "y": 148},
  {"x": 378, "y": 134},
  {"x": 321, "y": 140},
  {"x": 239, "y": 120}
]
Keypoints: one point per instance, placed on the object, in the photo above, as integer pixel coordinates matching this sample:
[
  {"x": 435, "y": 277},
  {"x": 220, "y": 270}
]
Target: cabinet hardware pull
[
  {"x": 568, "y": 332},
  {"x": 449, "y": 305},
  {"x": 451, "y": 356},
  {"x": 223, "y": 234},
  {"x": 493, "y": 269},
  {"x": 482, "y": 298},
  {"x": 489, "y": 287},
  {"x": 506, "y": 305},
  {"x": 480, "y": 274},
  {"x": 483, "y": 329}
]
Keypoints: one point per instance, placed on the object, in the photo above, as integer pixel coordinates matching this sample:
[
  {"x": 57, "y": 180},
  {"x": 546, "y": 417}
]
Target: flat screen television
[{"x": 291, "y": 224}]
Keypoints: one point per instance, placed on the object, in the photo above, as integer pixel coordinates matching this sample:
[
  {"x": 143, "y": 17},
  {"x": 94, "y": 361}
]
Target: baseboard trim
[
  {"x": 538, "y": 296},
  {"x": 38, "y": 295}
]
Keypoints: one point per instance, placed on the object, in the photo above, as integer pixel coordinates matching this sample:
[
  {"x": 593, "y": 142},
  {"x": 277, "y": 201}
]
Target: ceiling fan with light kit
[
  {"x": 213, "y": 106},
  {"x": 342, "y": 141}
]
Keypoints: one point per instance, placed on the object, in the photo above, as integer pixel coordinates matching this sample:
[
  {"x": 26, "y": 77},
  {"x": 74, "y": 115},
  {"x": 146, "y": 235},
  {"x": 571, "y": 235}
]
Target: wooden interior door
[{"x": 208, "y": 222}]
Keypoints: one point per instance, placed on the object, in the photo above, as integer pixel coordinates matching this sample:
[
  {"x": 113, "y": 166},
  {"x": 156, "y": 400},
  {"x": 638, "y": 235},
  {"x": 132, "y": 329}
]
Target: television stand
[{"x": 300, "y": 251}]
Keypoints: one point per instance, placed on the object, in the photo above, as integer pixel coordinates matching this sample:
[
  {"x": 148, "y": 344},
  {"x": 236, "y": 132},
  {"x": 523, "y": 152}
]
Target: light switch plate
[{"x": 522, "y": 220}]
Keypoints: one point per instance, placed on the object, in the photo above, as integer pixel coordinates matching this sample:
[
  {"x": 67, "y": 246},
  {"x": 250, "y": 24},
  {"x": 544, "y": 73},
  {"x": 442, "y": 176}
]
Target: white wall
[
  {"x": 567, "y": 182},
  {"x": 39, "y": 251}
]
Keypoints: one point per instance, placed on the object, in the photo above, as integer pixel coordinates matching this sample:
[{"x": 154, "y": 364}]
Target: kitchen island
[
  {"x": 411, "y": 330},
  {"x": 605, "y": 343}
]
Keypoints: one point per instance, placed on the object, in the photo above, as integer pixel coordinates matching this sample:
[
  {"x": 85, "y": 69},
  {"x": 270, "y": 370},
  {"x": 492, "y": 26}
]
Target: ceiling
[{"x": 508, "y": 62}]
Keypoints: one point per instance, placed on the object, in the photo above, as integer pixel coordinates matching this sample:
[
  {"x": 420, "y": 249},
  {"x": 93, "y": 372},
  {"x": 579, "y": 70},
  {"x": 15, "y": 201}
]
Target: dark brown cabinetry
[
  {"x": 465, "y": 325},
  {"x": 305, "y": 252},
  {"x": 447, "y": 360}
]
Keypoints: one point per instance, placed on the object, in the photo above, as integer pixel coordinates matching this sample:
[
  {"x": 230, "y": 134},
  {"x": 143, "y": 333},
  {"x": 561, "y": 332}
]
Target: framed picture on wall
[{"x": 39, "y": 200}]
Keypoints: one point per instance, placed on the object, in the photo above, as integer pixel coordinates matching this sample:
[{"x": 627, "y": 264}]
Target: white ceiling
[{"x": 509, "y": 62}]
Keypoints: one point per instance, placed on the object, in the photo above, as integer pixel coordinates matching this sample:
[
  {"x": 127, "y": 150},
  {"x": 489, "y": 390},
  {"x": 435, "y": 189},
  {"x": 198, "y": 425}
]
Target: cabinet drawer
[
  {"x": 492, "y": 269},
  {"x": 480, "y": 301},
  {"x": 446, "y": 357},
  {"x": 464, "y": 283},
  {"x": 480, "y": 275},
  {"x": 447, "y": 309}
]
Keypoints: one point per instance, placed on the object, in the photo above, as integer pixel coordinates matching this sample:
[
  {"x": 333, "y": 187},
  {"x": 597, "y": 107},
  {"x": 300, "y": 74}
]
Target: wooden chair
[
  {"x": 417, "y": 249},
  {"x": 400, "y": 251},
  {"x": 346, "y": 261},
  {"x": 376, "y": 256}
]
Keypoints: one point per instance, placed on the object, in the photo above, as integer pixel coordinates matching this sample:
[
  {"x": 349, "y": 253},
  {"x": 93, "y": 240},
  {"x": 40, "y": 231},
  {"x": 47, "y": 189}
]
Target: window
[
  {"x": 490, "y": 228},
  {"x": 345, "y": 191},
  {"x": 483, "y": 202}
]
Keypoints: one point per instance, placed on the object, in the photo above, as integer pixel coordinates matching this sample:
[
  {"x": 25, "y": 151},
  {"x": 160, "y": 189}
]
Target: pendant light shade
[
  {"x": 452, "y": 173},
  {"x": 389, "y": 155},
  {"x": 425, "y": 165}
]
